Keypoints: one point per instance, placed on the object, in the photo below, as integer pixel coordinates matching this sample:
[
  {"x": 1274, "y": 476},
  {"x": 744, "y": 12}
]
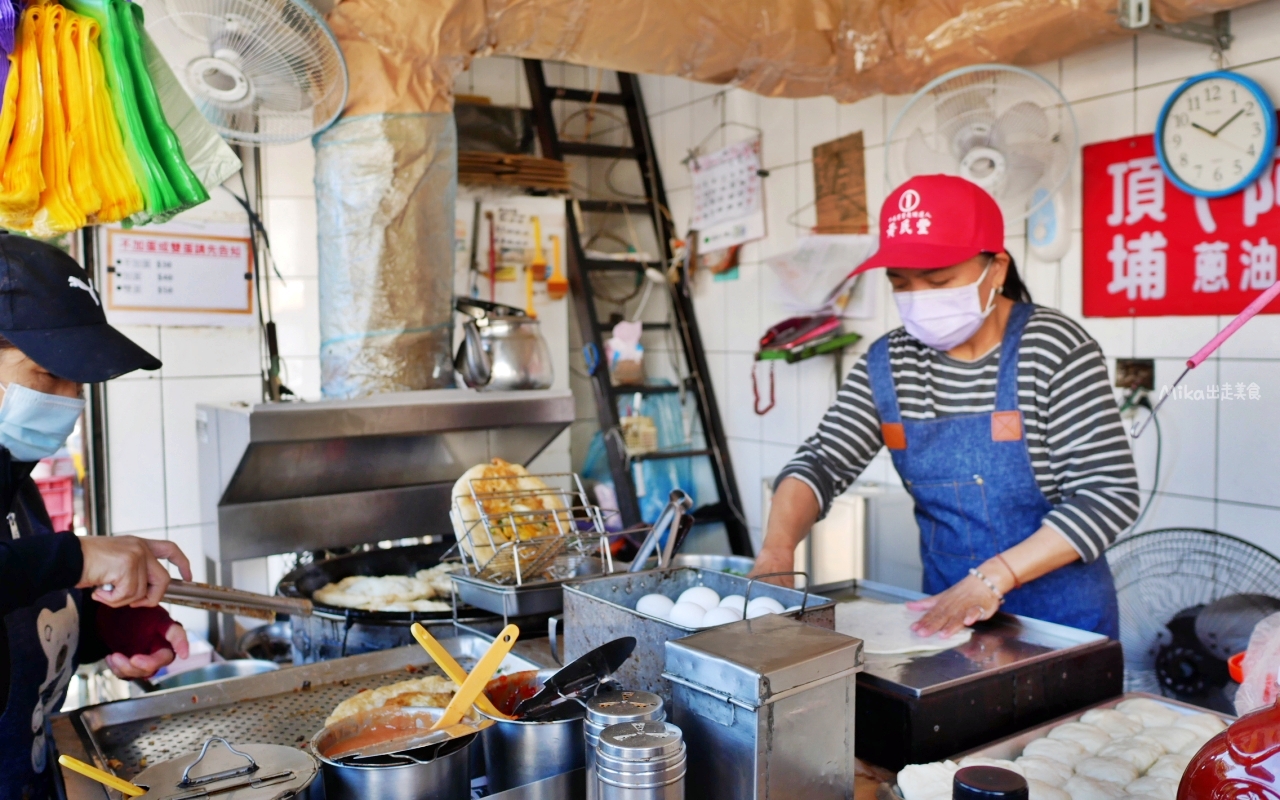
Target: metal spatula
[{"x": 578, "y": 676}]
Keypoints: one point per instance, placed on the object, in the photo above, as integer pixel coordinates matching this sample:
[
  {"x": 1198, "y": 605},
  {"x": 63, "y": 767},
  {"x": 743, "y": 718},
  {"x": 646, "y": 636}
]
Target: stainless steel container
[
  {"x": 517, "y": 752},
  {"x": 218, "y": 670},
  {"x": 767, "y": 709},
  {"x": 600, "y": 610},
  {"x": 641, "y": 761},
  {"x": 614, "y": 708},
  {"x": 440, "y": 772}
]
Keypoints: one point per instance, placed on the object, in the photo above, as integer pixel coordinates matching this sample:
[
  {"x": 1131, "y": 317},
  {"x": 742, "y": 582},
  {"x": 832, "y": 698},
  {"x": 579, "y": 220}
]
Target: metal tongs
[
  {"x": 234, "y": 601},
  {"x": 671, "y": 522}
]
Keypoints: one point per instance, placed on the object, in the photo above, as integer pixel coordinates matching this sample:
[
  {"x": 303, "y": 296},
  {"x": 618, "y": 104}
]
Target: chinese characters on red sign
[{"x": 1152, "y": 250}]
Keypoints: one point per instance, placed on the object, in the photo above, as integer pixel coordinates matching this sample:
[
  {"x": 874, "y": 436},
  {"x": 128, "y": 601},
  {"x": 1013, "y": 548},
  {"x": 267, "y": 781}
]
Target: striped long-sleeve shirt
[{"x": 1079, "y": 451}]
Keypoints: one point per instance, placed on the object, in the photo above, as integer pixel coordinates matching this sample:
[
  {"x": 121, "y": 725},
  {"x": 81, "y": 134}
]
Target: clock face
[{"x": 1215, "y": 135}]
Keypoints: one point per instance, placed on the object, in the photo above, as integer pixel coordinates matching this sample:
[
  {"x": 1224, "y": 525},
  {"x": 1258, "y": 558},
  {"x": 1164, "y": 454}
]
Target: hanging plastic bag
[
  {"x": 8, "y": 27},
  {"x": 21, "y": 181},
  {"x": 121, "y": 195},
  {"x": 58, "y": 212},
  {"x": 1261, "y": 683},
  {"x": 76, "y": 108},
  {"x": 203, "y": 148}
]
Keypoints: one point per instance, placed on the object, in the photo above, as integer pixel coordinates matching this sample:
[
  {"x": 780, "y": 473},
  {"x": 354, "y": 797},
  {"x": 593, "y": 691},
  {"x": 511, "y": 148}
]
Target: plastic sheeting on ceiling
[{"x": 404, "y": 54}]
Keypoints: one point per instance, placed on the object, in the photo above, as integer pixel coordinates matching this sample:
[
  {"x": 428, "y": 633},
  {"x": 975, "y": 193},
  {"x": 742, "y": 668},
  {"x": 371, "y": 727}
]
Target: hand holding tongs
[
  {"x": 670, "y": 522},
  {"x": 234, "y": 601}
]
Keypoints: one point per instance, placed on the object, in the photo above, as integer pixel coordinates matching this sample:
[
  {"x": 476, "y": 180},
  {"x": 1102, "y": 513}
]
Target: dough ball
[
  {"x": 1113, "y": 722},
  {"x": 1140, "y": 751},
  {"x": 655, "y": 605},
  {"x": 927, "y": 781},
  {"x": 1111, "y": 770},
  {"x": 1151, "y": 713},
  {"x": 1082, "y": 787},
  {"x": 1090, "y": 737},
  {"x": 1060, "y": 750},
  {"x": 1163, "y": 788},
  {"x": 1039, "y": 790},
  {"x": 1206, "y": 725},
  {"x": 979, "y": 761},
  {"x": 1171, "y": 739},
  {"x": 1192, "y": 747},
  {"x": 1171, "y": 766},
  {"x": 1044, "y": 770}
]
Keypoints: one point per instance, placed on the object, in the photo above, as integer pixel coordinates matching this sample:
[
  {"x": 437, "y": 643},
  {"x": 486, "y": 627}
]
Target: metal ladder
[{"x": 728, "y": 507}]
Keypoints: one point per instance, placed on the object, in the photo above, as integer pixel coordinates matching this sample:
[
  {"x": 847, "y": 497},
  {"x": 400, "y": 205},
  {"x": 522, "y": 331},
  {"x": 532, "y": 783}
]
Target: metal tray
[
  {"x": 1011, "y": 747},
  {"x": 283, "y": 707},
  {"x": 510, "y": 601},
  {"x": 602, "y": 609}
]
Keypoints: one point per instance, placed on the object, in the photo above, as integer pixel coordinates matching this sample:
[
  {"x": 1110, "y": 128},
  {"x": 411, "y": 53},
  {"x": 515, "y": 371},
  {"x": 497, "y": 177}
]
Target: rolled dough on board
[{"x": 885, "y": 628}]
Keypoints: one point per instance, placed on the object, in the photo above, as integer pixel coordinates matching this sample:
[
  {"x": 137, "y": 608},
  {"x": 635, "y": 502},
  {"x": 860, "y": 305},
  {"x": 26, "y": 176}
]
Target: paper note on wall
[{"x": 728, "y": 196}]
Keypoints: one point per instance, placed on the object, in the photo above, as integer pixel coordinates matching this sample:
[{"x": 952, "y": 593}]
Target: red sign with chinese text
[{"x": 1152, "y": 250}]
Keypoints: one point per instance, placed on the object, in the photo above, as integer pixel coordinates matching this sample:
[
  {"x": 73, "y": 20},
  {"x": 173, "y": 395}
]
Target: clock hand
[
  {"x": 1228, "y": 122},
  {"x": 1203, "y": 128}
]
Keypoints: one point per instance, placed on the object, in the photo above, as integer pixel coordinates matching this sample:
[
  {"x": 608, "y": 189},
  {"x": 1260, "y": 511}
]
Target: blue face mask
[{"x": 34, "y": 425}]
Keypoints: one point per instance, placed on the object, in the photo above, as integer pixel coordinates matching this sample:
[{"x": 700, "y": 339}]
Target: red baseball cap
[{"x": 935, "y": 221}]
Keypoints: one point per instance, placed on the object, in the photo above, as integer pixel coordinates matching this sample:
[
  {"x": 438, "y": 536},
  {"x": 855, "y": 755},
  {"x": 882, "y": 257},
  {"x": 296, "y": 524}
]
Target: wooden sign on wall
[{"x": 840, "y": 185}]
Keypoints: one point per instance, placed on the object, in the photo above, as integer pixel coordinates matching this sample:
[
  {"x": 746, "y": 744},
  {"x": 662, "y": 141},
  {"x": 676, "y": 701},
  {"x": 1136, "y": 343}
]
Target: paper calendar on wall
[{"x": 728, "y": 196}]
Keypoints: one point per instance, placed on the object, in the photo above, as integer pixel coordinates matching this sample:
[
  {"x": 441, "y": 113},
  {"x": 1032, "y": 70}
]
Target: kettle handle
[{"x": 472, "y": 361}]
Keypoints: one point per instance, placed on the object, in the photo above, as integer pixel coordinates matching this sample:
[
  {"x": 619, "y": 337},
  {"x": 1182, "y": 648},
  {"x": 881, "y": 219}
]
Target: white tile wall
[{"x": 1218, "y": 459}]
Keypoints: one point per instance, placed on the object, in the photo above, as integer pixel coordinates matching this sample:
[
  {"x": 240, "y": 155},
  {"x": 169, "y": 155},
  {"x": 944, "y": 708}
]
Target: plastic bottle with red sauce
[{"x": 1241, "y": 763}]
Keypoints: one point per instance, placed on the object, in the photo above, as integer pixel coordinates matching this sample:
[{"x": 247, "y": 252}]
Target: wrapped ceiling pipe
[{"x": 403, "y": 54}]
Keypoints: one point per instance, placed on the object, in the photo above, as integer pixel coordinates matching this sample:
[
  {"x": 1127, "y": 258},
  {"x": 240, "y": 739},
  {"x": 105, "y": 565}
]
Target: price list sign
[{"x": 168, "y": 278}]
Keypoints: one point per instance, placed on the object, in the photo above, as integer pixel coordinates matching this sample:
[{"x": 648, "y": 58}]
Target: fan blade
[
  {"x": 920, "y": 159},
  {"x": 1022, "y": 122}
]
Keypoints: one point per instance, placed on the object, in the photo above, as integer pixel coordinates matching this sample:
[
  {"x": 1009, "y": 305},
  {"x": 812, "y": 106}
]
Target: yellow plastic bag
[
  {"x": 9, "y": 112},
  {"x": 58, "y": 212},
  {"x": 121, "y": 195},
  {"x": 21, "y": 181},
  {"x": 77, "y": 112}
]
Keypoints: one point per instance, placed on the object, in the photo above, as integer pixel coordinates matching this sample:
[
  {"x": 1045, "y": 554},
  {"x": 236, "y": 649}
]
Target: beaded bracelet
[{"x": 987, "y": 581}]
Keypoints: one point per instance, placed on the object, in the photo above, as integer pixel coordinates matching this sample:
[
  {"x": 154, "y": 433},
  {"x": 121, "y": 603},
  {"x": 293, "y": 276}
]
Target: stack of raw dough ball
[
  {"x": 702, "y": 607},
  {"x": 1136, "y": 751}
]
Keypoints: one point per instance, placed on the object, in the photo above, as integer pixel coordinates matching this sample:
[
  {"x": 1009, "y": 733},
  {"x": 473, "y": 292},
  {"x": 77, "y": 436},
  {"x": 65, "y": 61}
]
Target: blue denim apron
[{"x": 976, "y": 494}]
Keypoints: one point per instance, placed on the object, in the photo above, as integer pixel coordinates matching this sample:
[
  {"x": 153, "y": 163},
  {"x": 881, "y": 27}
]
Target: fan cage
[{"x": 1161, "y": 572}]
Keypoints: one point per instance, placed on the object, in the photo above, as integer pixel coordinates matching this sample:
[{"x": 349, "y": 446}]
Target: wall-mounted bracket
[{"x": 1137, "y": 15}]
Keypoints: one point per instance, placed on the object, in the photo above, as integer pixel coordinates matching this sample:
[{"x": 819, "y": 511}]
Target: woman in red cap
[{"x": 998, "y": 415}]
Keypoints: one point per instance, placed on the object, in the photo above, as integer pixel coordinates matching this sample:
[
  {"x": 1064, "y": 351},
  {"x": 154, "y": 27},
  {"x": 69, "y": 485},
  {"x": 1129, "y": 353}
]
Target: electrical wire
[{"x": 1145, "y": 402}]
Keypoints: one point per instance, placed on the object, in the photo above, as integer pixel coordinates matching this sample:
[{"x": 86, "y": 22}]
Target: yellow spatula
[
  {"x": 101, "y": 776},
  {"x": 452, "y": 668},
  {"x": 475, "y": 682}
]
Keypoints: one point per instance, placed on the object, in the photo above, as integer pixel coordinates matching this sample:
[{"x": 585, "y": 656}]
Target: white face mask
[{"x": 945, "y": 318}]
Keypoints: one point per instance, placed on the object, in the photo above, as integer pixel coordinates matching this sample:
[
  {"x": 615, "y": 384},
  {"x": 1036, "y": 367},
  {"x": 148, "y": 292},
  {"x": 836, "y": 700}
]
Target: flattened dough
[
  {"x": 979, "y": 761},
  {"x": 885, "y": 628},
  {"x": 1113, "y": 722},
  {"x": 432, "y": 691},
  {"x": 1090, "y": 737},
  {"x": 1061, "y": 750},
  {"x": 1039, "y": 790},
  {"x": 1151, "y": 713},
  {"x": 1045, "y": 770},
  {"x": 1171, "y": 766},
  {"x": 1111, "y": 770},
  {"x": 1171, "y": 739},
  {"x": 1082, "y": 787},
  {"x": 1164, "y": 788},
  {"x": 927, "y": 781},
  {"x": 1140, "y": 751}
]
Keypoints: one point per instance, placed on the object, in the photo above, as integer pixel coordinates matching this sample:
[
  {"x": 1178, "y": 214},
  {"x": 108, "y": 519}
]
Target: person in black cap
[{"x": 55, "y": 340}]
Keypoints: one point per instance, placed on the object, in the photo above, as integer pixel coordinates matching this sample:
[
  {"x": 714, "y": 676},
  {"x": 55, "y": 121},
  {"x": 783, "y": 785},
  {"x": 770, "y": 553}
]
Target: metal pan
[{"x": 303, "y": 582}]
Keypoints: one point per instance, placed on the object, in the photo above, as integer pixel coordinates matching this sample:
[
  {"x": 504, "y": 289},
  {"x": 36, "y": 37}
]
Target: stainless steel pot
[
  {"x": 502, "y": 348},
  {"x": 435, "y": 772},
  {"x": 518, "y": 752},
  {"x": 218, "y": 670}
]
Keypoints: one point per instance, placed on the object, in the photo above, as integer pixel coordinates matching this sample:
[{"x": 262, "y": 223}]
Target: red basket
[{"x": 59, "y": 494}]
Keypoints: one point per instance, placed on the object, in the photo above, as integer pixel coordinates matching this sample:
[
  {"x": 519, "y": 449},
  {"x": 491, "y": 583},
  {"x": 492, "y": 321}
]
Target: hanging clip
[{"x": 755, "y": 390}]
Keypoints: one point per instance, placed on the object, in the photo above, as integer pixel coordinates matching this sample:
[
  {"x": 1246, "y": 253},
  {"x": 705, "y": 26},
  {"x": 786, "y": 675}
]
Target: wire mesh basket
[{"x": 515, "y": 531}]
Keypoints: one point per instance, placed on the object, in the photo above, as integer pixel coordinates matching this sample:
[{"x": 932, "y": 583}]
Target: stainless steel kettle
[{"x": 502, "y": 348}]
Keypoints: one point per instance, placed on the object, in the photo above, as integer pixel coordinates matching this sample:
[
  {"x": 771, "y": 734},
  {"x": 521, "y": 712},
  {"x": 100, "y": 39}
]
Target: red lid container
[{"x": 1242, "y": 762}]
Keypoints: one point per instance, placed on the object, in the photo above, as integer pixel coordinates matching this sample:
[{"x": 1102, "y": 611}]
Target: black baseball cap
[{"x": 52, "y": 313}]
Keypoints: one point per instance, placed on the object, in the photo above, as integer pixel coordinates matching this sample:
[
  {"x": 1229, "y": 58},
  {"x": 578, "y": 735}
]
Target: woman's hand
[
  {"x": 775, "y": 559},
  {"x": 131, "y": 566},
  {"x": 144, "y": 666},
  {"x": 962, "y": 605}
]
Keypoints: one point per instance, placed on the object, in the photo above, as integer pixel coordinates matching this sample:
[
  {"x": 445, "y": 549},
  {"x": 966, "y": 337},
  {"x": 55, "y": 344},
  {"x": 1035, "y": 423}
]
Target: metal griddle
[
  {"x": 284, "y": 707},
  {"x": 1014, "y": 673}
]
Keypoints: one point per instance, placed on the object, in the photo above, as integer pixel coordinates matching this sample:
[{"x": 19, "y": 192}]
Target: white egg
[
  {"x": 734, "y": 601},
  {"x": 760, "y": 606},
  {"x": 655, "y": 605},
  {"x": 702, "y": 595},
  {"x": 687, "y": 614},
  {"x": 720, "y": 616}
]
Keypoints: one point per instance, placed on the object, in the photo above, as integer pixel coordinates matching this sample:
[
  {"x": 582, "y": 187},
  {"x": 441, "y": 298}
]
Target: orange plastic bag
[
  {"x": 58, "y": 212},
  {"x": 78, "y": 114},
  {"x": 121, "y": 195},
  {"x": 21, "y": 181}
]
